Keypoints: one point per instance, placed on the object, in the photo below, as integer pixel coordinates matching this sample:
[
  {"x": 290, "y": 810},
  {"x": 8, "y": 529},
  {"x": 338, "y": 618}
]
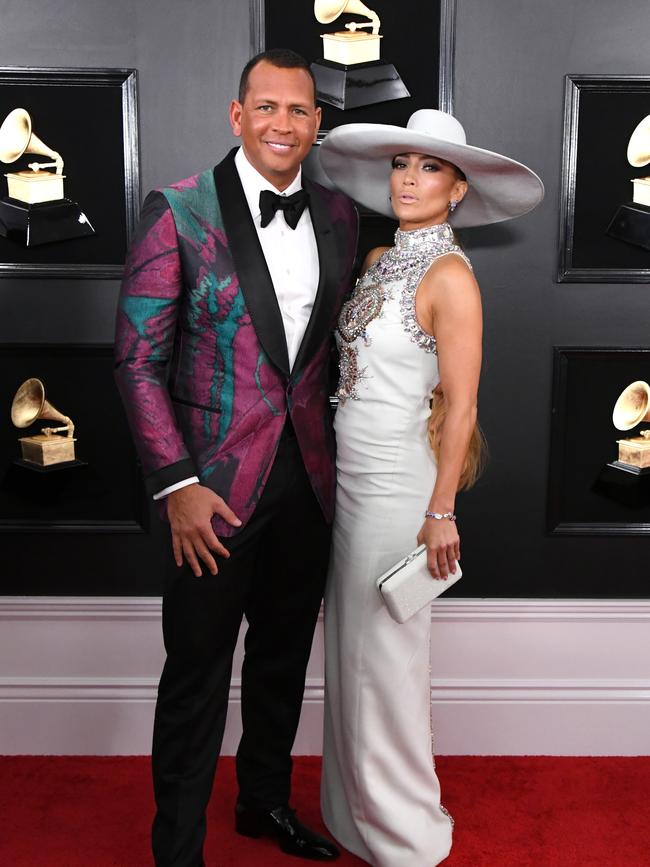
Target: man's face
[{"x": 277, "y": 121}]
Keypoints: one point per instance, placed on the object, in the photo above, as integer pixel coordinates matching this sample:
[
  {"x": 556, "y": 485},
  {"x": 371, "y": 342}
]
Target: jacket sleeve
[{"x": 144, "y": 341}]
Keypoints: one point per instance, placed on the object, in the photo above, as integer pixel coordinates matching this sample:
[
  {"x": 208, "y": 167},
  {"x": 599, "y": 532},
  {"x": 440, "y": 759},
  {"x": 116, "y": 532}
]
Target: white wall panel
[{"x": 79, "y": 676}]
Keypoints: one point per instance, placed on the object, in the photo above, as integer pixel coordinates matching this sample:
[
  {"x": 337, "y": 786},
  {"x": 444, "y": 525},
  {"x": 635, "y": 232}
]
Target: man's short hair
[{"x": 283, "y": 58}]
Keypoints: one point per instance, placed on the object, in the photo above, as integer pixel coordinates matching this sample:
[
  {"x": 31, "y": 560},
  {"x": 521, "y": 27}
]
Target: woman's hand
[{"x": 443, "y": 546}]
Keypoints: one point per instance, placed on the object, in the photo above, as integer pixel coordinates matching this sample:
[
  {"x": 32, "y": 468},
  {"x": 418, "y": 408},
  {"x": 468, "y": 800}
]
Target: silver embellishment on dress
[
  {"x": 408, "y": 260},
  {"x": 443, "y": 809},
  {"x": 350, "y": 374},
  {"x": 446, "y": 812},
  {"x": 411, "y": 258},
  {"x": 356, "y": 314}
]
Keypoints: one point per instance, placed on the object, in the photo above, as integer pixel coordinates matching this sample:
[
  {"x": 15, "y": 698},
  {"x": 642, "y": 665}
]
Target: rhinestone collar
[{"x": 431, "y": 241}]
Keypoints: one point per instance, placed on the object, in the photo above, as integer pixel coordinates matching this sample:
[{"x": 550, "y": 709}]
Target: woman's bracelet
[{"x": 440, "y": 516}]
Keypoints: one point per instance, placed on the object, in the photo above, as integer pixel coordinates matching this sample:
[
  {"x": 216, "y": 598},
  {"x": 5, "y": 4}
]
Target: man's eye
[{"x": 264, "y": 108}]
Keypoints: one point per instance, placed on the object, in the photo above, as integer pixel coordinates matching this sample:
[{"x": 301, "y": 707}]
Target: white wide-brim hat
[{"x": 357, "y": 158}]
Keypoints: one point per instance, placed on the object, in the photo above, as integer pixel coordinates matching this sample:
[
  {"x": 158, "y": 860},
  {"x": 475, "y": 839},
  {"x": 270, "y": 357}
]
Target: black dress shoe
[{"x": 281, "y": 824}]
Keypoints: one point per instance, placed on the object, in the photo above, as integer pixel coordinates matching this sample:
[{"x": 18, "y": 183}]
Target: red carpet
[{"x": 510, "y": 812}]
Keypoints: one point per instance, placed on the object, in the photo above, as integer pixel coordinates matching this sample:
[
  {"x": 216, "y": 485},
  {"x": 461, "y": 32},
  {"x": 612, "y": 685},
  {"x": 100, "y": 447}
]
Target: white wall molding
[
  {"x": 510, "y": 676},
  {"x": 80, "y": 608},
  {"x": 508, "y": 691},
  {"x": 149, "y": 608},
  {"x": 88, "y": 689},
  {"x": 109, "y": 689},
  {"x": 543, "y": 610}
]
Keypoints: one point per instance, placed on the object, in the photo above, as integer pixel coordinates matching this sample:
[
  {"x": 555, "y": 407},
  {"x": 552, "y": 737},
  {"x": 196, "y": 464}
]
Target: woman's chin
[
  {"x": 417, "y": 216},
  {"x": 406, "y": 213}
]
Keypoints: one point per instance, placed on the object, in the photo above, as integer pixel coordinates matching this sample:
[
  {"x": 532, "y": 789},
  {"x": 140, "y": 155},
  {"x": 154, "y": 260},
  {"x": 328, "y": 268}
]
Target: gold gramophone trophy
[
  {"x": 351, "y": 73},
  {"x": 627, "y": 480},
  {"x": 47, "y": 448},
  {"x": 633, "y": 408},
  {"x": 36, "y": 210},
  {"x": 631, "y": 221}
]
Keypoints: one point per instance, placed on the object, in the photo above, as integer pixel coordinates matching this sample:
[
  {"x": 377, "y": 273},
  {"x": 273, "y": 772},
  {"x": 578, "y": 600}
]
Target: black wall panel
[{"x": 511, "y": 59}]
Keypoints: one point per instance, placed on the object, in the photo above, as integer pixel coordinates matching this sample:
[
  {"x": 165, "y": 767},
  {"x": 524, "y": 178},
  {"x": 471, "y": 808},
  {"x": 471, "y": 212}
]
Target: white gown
[{"x": 380, "y": 795}]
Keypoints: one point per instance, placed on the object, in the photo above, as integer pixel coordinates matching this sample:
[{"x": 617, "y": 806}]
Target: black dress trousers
[{"x": 275, "y": 577}]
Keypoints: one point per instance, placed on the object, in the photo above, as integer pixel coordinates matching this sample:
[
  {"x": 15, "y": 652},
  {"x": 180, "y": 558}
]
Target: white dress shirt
[
  {"x": 291, "y": 254},
  {"x": 292, "y": 259}
]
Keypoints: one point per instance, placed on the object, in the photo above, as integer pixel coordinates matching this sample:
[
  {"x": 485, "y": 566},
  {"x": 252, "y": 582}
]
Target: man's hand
[{"x": 190, "y": 510}]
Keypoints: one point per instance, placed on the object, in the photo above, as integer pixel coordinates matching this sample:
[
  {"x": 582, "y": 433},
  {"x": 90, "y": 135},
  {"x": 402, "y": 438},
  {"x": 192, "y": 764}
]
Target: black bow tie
[{"x": 293, "y": 206}]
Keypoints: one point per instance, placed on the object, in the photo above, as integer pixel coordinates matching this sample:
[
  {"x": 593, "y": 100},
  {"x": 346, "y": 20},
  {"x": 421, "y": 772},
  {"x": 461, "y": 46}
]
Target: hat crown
[{"x": 437, "y": 124}]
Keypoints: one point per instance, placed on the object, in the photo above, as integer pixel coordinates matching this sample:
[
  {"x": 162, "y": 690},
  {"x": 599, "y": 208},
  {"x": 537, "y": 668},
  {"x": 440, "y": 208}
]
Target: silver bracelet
[{"x": 440, "y": 516}]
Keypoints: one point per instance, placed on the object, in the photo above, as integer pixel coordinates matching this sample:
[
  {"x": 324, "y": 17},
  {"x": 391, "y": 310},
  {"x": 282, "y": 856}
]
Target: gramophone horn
[
  {"x": 638, "y": 150},
  {"x": 327, "y": 11},
  {"x": 17, "y": 138},
  {"x": 632, "y": 406},
  {"x": 29, "y": 405}
]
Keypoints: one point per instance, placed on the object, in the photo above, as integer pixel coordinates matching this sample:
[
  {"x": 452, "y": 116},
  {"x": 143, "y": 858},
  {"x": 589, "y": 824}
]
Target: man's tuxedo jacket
[{"x": 201, "y": 355}]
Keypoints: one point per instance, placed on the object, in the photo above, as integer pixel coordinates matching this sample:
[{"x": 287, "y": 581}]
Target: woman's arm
[
  {"x": 448, "y": 304},
  {"x": 371, "y": 258}
]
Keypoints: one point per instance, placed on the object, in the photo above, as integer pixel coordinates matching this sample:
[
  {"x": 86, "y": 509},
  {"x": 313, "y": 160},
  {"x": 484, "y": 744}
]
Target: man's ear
[
  {"x": 234, "y": 115},
  {"x": 319, "y": 117}
]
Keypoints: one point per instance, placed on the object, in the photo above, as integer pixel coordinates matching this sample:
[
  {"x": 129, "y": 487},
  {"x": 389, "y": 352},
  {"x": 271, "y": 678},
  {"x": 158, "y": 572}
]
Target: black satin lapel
[
  {"x": 250, "y": 264},
  {"x": 328, "y": 257}
]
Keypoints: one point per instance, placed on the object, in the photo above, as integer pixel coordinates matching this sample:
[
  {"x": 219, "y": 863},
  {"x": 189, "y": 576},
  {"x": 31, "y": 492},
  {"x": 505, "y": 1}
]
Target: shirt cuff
[{"x": 170, "y": 490}]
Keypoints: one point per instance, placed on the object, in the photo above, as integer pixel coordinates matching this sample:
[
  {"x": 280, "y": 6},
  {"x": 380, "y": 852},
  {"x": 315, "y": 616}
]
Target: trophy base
[
  {"x": 43, "y": 495},
  {"x": 44, "y": 451},
  {"x": 361, "y": 84},
  {"x": 49, "y": 468},
  {"x": 42, "y": 223},
  {"x": 631, "y": 223},
  {"x": 624, "y": 483}
]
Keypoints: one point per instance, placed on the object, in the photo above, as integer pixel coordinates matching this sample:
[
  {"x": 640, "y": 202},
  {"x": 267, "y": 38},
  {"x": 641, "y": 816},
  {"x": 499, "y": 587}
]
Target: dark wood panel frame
[
  {"x": 439, "y": 59},
  {"x": 90, "y": 117},
  {"x": 586, "y": 383},
  {"x": 600, "y": 113},
  {"x": 106, "y": 495}
]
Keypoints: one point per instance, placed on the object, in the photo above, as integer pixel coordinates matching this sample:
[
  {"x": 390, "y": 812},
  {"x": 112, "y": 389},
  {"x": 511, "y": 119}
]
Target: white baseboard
[{"x": 510, "y": 677}]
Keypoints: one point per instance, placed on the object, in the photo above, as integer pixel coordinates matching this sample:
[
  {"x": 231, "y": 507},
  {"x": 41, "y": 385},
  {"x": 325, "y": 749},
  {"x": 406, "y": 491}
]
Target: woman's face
[{"x": 421, "y": 187}]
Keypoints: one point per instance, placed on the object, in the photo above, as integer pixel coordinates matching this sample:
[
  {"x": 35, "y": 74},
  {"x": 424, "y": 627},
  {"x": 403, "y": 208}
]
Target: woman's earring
[{"x": 453, "y": 205}]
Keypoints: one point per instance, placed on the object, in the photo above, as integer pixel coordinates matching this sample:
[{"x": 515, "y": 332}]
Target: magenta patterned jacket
[{"x": 201, "y": 356}]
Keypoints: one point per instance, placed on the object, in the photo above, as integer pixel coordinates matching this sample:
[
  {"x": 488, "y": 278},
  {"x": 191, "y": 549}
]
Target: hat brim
[{"x": 357, "y": 159}]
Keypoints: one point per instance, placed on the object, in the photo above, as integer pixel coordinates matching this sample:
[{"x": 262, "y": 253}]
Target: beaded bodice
[{"x": 395, "y": 276}]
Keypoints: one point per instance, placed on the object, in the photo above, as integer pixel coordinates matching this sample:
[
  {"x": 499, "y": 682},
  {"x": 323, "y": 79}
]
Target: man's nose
[{"x": 282, "y": 120}]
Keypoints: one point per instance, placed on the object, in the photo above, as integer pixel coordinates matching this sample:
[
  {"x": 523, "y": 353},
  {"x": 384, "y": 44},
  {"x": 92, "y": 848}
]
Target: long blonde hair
[{"x": 476, "y": 456}]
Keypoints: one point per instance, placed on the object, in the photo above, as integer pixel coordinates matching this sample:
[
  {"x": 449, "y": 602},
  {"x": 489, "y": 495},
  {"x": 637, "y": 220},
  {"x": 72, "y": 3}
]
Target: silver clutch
[{"x": 408, "y": 585}]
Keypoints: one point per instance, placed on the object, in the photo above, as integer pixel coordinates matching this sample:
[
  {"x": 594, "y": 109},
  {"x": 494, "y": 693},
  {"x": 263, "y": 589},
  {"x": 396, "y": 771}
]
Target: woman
[{"x": 412, "y": 327}]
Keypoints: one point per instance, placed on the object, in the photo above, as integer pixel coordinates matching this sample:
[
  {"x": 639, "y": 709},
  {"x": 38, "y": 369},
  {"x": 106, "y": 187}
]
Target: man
[{"x": 222, "y": 349}]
